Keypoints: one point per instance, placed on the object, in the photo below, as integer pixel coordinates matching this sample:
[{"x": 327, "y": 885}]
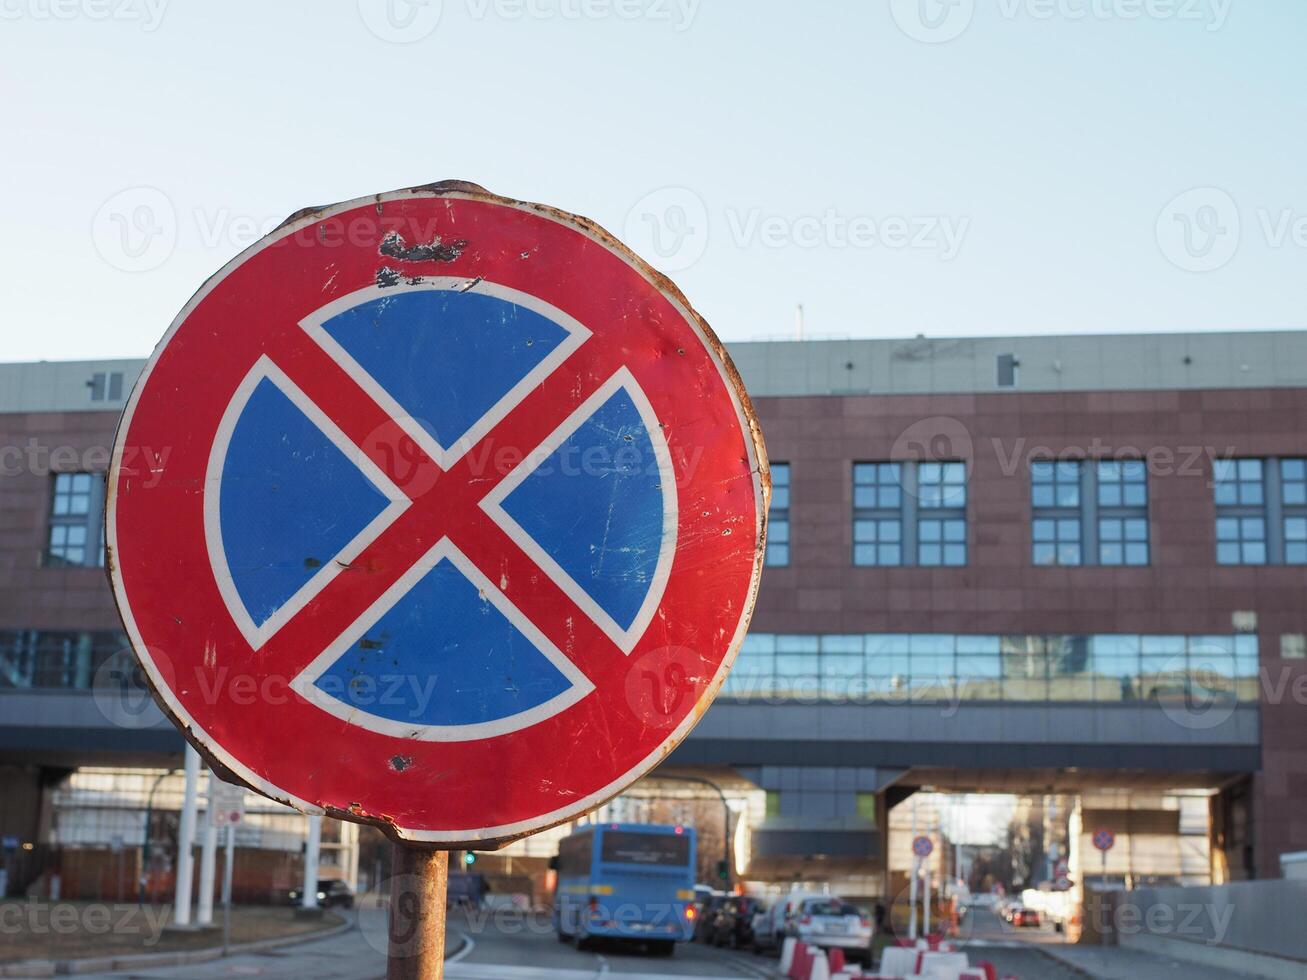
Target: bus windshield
[{"x": 633, "y": 847}]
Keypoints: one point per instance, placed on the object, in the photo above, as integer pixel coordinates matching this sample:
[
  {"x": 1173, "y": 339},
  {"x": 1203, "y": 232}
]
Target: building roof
[{"x": 965, "y": 365}]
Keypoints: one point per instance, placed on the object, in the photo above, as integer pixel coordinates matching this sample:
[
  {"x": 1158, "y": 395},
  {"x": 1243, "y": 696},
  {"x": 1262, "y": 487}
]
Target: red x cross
[{"x": 443, "y": 503}]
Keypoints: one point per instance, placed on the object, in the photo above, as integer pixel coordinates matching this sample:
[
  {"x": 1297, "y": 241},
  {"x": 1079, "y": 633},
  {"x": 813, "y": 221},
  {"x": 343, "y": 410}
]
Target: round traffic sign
[
  {"x": 922, "y": 846},
  {"x": 451, "y": 519},
  {"x": 1104, "y": 839}
]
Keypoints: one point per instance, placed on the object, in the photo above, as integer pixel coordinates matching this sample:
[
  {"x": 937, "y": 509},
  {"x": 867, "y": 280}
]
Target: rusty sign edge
[{"x": 231, "y": 769}]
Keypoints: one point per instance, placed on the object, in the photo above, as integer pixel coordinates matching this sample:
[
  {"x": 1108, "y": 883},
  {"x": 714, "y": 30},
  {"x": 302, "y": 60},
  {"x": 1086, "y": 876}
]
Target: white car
[{"x": 828, "y": 922}]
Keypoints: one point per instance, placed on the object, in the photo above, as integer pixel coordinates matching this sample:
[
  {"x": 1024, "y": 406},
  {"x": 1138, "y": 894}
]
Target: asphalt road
[
  {"x": 516, "y": 947},
  {"x": 508, "y": 946},
  {"x": 483, "y": 946}
]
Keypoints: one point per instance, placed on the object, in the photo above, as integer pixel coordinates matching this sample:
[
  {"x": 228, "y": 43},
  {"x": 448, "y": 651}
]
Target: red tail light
[
  {"x": 691, "y": 912},
  {"x": 806, "y": 920},
  {"x": 863, "y": 921}
]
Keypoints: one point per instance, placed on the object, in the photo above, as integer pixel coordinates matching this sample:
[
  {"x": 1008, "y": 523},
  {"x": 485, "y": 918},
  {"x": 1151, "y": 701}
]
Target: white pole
[
  {"x": 925, "y": 906},
  {"x": 181, "y": 910},
  {"x": 226, "y": 888},
  {"x": 208, "y": 860},
  {"x": 916, "y": 870},
  {"x": 349, "y": 833},
  {"x": 312, "y": 850}
]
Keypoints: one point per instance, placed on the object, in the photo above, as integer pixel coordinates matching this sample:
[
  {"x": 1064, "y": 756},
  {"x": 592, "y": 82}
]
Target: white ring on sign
[
  {"x": 442, "y": 456},
  {"x": 304, "y": 684},
  {"x": 258, "y": 634},
  {"x": 492, "y": 504}
]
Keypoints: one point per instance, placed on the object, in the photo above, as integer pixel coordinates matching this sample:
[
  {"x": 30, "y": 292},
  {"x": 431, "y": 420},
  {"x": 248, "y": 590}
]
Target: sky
[{"x": 898, "y": 167}]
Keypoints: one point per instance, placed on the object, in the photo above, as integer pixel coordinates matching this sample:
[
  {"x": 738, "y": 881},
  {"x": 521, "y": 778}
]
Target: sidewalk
[{"x": 1118, "y": 963}]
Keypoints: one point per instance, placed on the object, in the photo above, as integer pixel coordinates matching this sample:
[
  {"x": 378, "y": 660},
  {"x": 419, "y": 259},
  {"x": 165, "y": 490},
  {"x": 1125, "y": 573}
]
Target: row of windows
[
  {"x": 1082, "y": 512},
  {"x": 57, "y": 658},
  {"x": 916, "y": 514},
  {"x": 946, "y": 666},
  {"x": 1105, "y": 667}
]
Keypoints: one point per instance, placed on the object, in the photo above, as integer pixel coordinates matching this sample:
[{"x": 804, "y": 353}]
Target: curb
[
  {"x": 146, "y": 961},
  {"x": 1062, "y": 961}
]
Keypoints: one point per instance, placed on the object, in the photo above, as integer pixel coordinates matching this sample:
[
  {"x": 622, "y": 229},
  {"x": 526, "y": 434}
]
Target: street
[
  {"x": 493, "y": 946},
  {"x": 511, "y": 946}
]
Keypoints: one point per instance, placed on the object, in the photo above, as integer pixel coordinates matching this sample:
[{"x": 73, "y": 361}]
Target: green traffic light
[{"x": 469, "y": 857}]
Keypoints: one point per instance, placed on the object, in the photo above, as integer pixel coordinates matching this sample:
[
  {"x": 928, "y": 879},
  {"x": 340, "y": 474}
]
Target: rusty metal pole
[{"x": 419, "y": 879}]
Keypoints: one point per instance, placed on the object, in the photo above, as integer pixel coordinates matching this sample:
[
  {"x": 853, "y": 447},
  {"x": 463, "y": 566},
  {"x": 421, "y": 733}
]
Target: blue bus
[{"x": 628, "y": 881}]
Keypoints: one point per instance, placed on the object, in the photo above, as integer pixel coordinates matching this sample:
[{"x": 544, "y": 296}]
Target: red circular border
[{"x": 500, "y": 787}]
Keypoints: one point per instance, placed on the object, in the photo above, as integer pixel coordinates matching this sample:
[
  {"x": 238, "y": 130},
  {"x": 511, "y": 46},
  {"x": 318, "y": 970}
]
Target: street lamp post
[
  {"x": 145, "y": 844},
  {"x": 726, "y": 818}
]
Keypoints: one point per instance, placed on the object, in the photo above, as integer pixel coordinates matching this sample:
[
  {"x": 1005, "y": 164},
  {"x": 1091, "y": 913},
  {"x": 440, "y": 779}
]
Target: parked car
[
  {"x": 732, "y": 924},
  {"x": 332, "y": 893},
  {"x": 760, "y": 938},
  {"x": 829, "y": 922},
  {"x": 1023, "y": 917},
  {"x": 708, "y": 907}
]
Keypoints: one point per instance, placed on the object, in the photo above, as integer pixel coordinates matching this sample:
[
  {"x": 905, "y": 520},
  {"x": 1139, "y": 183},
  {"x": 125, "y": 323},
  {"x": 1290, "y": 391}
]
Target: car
[
  {"x": 1023, "y": 917},
  {"x": 332, "y": 893},
  {"x": 708, "y": 906},
  {"x": 759, "y": 923},
  {"x": 732, "y": 924},
  {"x": 824, "y": 921}
]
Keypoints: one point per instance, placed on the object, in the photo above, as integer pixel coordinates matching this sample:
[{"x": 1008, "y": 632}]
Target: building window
[
  {"x": 1261, "y": 511},
  {"x": 877, "y": 514},
  {"x": 1122, "y": 512},
  {"x": 106, "y": 386},
  {"x": 61, "y": 658},
  {"x": 935, "y": 667},
  {"x": 76, "y": 510},
  {"x": 1241, "y": 540},
  {"x": 1007, "y": 370},
  {"x": 1293, "y": 501},
  {"x": 778, "y": 516},
  {"x": 1055, "y": 495},
  {"x": 942, "y": 505},
  {"x": 910, "y": 513},
  {"x": 1089, "y": 512}
]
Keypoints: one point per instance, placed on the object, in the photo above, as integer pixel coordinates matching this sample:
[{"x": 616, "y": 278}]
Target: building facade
[{"x": 992, "y": 563}]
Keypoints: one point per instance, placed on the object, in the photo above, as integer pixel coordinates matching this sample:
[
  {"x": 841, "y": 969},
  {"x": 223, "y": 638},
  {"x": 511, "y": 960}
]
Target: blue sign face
[{"x": 444, "y": 654}]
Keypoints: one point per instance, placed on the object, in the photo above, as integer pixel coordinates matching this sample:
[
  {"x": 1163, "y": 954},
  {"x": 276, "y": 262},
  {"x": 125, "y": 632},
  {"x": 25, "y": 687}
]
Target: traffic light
[
  {"x": 469, "y": 858},
  {"x": 723, "y": 870}
]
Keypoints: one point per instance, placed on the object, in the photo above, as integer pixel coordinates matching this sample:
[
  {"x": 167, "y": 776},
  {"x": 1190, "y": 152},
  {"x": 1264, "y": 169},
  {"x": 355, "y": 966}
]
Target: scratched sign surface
[{"x": 459, "y": 519}]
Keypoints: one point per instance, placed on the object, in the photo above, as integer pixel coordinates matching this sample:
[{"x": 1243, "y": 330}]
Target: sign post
[
  {"x": 454, "y": 483},
  {"x": 226, "y": 809},
  {"x": 922, "y": 846},
  {"x": 1104, "y": 839}
]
